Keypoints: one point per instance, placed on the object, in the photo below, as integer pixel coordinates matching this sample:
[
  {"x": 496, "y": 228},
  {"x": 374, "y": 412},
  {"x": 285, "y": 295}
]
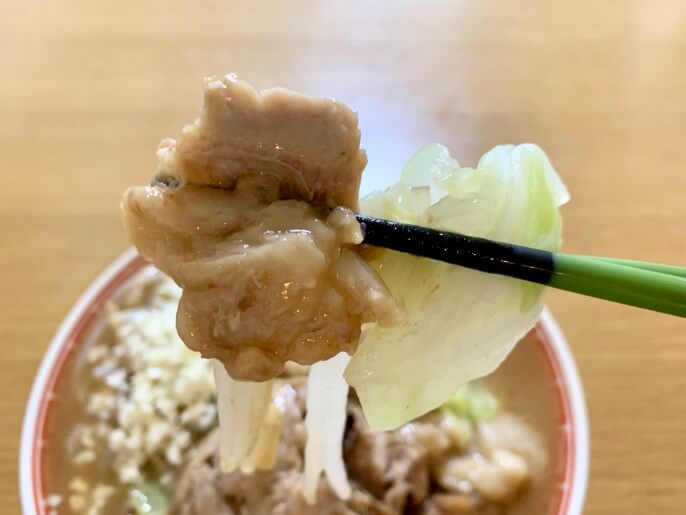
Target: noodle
[
  {"x": 327, "y": 397},
  {"x": 241, "y": 406}
]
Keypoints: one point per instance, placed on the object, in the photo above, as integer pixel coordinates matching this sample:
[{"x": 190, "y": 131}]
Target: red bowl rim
[{"x": 574, "y": 442}]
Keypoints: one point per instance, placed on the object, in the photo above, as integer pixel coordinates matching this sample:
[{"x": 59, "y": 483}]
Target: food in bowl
[
  {"x": 251, "y": 214},
  {"x": 134, "y": 430}
]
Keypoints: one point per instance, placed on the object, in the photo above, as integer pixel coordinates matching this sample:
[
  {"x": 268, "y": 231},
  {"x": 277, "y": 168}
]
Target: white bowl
[{"x": 565, "y": 384}]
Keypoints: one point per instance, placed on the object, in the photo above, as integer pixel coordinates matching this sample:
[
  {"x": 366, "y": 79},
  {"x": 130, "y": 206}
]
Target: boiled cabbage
[
  {"x": 460, "y": 324},
  {"x": 473, "y": 401},
  {"x": 148, "y": 499}
]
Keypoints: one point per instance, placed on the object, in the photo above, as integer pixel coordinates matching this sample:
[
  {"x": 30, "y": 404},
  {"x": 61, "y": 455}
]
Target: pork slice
[
  {"x": 264, "y": 281},
  {"x": 251, "y": 215},
  {"x": 311, "y": 145}
]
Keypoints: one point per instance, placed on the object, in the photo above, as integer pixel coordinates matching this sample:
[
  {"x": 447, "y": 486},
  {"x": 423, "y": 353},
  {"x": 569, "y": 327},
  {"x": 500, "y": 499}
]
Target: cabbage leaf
[{"x": 459, "y": 324}]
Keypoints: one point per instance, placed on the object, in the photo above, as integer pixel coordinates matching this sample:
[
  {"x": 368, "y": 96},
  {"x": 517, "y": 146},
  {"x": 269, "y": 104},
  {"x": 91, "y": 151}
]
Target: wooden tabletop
[{"x": 88, "y": 88}]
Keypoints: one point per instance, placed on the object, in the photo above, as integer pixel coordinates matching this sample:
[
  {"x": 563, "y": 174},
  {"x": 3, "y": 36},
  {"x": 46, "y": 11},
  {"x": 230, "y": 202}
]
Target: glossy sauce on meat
[
  {"x": 312, "y": 145},
  {"x": 241, "y": 218}
]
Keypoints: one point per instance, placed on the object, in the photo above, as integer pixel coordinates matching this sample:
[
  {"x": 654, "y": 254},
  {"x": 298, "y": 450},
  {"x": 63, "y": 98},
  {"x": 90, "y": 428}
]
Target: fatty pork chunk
[{"x": 251, "y": 213}]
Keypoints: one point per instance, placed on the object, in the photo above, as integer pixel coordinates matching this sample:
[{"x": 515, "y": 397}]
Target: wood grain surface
[{"x": 88, "y": 87}]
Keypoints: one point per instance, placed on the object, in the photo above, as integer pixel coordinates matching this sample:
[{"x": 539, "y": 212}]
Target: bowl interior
[{"x": 543, "y": 354}]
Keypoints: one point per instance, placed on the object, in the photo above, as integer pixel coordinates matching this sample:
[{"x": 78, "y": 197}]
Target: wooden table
[{"x": 89, "y": 87}]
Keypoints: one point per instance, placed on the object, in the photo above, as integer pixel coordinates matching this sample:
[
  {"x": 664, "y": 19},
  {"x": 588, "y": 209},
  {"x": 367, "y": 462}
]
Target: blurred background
[{"x": 88, "y": 88}]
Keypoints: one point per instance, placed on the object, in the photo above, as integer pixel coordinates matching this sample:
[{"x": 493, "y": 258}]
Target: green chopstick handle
[
  {"x": 645, "y": 285},
  {"x": 676, "y": 271}
]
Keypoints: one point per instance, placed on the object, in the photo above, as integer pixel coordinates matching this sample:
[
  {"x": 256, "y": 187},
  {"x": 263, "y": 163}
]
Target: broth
[
  {"x": 522, "y": 386},
  {"x": 69, "y": 400}
]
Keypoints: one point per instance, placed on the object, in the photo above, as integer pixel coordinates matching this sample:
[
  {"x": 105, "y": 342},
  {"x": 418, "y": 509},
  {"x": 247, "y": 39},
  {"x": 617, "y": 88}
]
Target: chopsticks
[{"x": 636, "y": 283}]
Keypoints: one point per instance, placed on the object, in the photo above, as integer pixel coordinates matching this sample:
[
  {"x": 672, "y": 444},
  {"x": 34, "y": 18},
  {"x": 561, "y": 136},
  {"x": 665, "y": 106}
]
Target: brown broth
[
  {"x": 523, "y": 387},
  {"x": 69, "y": 396}
]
